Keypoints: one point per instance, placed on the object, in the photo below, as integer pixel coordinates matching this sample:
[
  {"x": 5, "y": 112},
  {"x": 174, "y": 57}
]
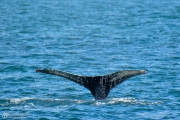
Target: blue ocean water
[{"x": 93, "y": 37}]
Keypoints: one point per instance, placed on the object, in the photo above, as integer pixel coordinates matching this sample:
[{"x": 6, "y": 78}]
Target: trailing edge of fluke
[{"x": 100, "y": 86}]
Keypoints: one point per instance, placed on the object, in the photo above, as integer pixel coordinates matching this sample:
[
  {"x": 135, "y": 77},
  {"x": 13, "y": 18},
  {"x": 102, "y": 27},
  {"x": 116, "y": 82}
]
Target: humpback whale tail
[{"x": 100, "y": 86}]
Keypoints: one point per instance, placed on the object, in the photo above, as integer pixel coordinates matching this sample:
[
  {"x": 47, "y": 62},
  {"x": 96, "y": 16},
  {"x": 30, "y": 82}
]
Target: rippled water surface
[{"x": 89, "y": 38}]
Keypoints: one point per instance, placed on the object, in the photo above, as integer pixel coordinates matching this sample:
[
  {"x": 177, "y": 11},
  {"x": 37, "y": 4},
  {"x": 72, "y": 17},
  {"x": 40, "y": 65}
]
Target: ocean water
[{"x": 89, "y": 37}]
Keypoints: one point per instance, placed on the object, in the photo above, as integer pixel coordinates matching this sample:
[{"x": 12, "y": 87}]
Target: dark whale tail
[{"x": 100, "y": 86}]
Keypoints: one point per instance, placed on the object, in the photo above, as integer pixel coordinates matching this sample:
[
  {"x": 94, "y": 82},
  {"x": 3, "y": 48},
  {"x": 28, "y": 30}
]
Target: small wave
[
  {"x": 113, "y": 101},
  {"x": 55, "y": 102},
  {"x": 46, "y": 102}
]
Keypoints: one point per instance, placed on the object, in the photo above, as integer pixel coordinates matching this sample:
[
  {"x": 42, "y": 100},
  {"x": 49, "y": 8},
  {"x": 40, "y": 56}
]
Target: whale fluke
[{"x": 100, "y": 86}]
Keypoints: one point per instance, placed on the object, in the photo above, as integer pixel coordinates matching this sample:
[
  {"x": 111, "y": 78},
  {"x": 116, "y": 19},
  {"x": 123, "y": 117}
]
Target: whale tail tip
[
  {"x": 143, "y": 71},
  {"x": 37, "y": 70}
]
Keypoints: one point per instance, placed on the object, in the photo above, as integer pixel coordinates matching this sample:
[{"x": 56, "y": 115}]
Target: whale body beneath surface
[{"x": 100, "y": 86}]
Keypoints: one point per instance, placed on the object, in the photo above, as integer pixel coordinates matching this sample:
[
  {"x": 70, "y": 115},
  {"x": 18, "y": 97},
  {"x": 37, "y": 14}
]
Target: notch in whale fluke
[{"x": 100, "y": 86}]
